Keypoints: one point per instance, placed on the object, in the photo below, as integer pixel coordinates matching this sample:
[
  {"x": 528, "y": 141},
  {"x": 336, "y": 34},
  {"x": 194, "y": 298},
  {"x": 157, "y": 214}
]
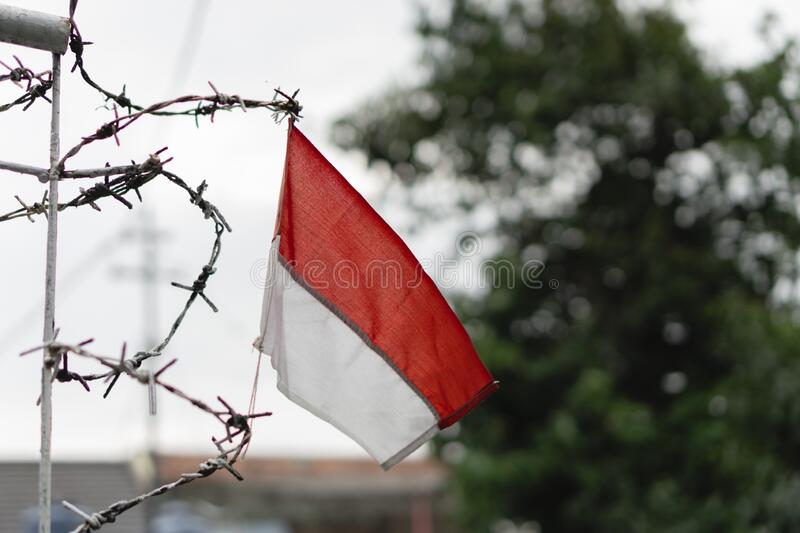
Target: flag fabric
[{"x": 357, "y": 331}]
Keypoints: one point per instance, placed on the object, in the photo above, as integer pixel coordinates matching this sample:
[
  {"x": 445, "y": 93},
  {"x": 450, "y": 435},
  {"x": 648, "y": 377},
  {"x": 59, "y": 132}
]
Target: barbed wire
[
  {"x": 237, "y": 426},
  {"x": 117, "y": 183},
  {"x": 131, "y": 179},
  {"x": 219, "y": 101},
  {"x": 282, "y": 106},
  {"x": 22, "y": 73}
]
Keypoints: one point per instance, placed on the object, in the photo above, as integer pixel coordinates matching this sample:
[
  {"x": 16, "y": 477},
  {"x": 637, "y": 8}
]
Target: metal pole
[
  {"x": 33, "y": 29},
  {"x": 42, "y": 173},
  {"x": 48, "y": 363},
  {"x": 51, "y": 33}
]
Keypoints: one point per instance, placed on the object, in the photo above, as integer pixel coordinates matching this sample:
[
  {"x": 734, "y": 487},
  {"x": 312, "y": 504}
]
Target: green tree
[{"x": 658, "y": 387}]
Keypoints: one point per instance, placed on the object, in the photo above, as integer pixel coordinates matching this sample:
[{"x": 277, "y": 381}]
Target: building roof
[
  {"x": 90, "y": 486},
  {"x": 340, "y": 494},
  {"x": 319, "y": 476},
  {"x": 320, "y": 495}
]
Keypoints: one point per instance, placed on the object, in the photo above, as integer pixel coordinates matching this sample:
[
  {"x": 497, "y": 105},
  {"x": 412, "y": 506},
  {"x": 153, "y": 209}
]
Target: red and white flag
[{"x": 358, "y": 333}]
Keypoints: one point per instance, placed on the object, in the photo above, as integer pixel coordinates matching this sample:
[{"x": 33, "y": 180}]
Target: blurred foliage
[{"x": 658, "y": 387}]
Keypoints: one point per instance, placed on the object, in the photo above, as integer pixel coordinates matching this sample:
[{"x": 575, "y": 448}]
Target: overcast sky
[{"x": 337, "y": 53}]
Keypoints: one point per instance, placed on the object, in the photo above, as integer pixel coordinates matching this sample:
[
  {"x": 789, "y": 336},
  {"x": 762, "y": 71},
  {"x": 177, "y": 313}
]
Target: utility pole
[
  {"x": 50, "y": 33},
  {"x": 150, "y": 276},
  {"x": 148, "y": 273}
]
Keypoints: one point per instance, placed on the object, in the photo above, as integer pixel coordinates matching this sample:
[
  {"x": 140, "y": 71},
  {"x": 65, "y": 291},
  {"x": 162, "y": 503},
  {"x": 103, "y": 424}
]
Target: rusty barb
[{"x": 35, "y": 87}]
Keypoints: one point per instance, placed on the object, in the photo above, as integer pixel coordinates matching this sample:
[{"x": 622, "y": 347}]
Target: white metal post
[
  {"x": 45, "y": 469},
  {"x": 45, "y": 32}
]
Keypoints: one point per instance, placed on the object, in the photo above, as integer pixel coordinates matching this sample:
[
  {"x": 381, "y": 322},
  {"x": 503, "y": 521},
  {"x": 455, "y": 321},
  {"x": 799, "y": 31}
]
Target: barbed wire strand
[{"x": 237, "y": 426}]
